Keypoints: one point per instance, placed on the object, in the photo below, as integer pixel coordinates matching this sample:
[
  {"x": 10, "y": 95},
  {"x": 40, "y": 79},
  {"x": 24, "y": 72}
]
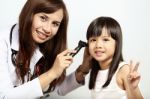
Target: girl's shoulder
[
  {"x": 123, "y": 67},
  {"x": 122, "y": 64},
  {"x": 123, "y": 70},
  {"x": 122, "y": 73}
]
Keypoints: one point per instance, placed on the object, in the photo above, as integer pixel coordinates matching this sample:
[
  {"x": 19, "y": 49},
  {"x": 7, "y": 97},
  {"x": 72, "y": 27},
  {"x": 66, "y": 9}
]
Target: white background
[{"x": 133, "y": 16}]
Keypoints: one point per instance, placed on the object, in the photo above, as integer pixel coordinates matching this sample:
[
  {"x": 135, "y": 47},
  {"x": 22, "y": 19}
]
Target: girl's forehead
[{"x": 104, "y": 32}]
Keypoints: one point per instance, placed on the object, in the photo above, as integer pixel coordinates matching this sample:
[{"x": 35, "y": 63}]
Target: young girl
[{"x": 110, "y": 76}]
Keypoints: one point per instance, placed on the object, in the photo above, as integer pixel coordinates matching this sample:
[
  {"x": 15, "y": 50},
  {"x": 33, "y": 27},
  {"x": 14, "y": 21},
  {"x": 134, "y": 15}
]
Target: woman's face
[
  {"x": 45, "y": 26},
  {"x": 102, "y": 47}
]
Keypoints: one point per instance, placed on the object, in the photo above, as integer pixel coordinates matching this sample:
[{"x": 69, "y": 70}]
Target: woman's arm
[
  {"x": 69, "y": 84},
  {"x": 31, "y": 89},
  {"x": 77, "y": 78},
  {"x": 62, "y": 61}
]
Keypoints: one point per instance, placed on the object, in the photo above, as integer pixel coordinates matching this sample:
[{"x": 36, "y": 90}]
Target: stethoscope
[{"x": 14, "y": 52}]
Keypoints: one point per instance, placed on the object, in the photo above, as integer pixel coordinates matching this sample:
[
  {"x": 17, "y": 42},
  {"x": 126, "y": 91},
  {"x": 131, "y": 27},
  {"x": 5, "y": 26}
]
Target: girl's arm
[{"x": 131, "y": 79}]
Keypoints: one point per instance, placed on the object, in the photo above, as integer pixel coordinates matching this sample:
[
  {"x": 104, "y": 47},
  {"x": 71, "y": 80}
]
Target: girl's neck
[{"x": 105, "y": 64}]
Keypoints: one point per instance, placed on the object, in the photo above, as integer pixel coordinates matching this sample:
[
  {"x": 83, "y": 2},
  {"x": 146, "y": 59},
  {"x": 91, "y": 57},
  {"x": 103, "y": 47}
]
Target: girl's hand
[
  {"x": 133, "y": 76},
  {"x": 62, "y": 61}
]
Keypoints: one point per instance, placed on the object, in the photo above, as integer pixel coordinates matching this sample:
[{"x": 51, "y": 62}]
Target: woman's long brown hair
[{"x": 51, "y": 48}]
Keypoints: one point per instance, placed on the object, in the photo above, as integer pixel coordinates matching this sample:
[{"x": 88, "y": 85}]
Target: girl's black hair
[{"x": 114, "y": 29}]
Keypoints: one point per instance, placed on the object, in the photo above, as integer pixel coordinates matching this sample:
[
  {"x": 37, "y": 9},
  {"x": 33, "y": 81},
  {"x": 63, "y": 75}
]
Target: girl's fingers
[
  {"x": 133, "y": 70},
  {"x": 134, "y": 75},
  {"x": 132, "y": 67},
  {"x": 136, "y": 66}
]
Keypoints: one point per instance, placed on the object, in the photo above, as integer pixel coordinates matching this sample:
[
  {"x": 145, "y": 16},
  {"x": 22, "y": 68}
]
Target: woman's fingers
[
  {"x": 67, "y": 52},
  {"x": 62, "y": 61}
]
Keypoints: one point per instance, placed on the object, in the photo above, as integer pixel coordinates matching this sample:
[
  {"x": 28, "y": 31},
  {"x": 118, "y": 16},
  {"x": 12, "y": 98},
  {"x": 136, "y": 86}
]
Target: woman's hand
[{"x": 62, "y": 61}]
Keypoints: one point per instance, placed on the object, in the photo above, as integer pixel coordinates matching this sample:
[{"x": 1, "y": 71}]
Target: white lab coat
[{"x": 8, "y": 77}]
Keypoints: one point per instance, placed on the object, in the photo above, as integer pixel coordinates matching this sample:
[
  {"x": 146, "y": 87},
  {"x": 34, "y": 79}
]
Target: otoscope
[{"x": 80, "y": 45}]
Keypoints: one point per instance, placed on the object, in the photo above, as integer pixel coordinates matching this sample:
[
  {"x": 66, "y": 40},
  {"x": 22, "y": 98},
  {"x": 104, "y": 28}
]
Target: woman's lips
[{"x": 42, "y": 35}]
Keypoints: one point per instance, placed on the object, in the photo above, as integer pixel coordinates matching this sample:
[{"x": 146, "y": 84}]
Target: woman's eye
[
  {"x": 43, "y": 18},
  {"x": 56, "y": 24}
]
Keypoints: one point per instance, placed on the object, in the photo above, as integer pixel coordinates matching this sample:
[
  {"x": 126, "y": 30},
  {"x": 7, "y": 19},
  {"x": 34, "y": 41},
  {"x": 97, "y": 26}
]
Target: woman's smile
[{"x": 41, "y": 35}]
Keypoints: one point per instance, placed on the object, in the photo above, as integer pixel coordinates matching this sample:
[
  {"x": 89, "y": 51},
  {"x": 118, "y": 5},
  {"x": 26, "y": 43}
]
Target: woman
[{"x": 33, "y": 55}]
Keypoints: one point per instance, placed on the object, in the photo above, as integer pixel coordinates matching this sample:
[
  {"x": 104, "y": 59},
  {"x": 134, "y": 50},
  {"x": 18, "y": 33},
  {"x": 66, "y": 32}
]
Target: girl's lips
[{"x": 98, "y": 53}]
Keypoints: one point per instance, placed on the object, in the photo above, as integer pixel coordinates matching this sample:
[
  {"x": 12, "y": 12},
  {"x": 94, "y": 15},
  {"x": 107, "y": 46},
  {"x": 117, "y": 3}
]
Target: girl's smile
[{"x": 102, "y": 47}]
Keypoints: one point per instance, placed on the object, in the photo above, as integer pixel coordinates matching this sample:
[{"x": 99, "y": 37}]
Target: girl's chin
[{"x": 99, "y": 59}]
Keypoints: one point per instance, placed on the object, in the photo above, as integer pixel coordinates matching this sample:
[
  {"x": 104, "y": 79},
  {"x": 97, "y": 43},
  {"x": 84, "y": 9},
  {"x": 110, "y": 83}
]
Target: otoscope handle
[
  {"x": 80, "y": 45},
  {"x": 77, "y": 50}
]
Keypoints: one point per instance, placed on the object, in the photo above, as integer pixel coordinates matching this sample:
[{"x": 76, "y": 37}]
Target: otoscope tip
[{"x": 82, "y": 43}]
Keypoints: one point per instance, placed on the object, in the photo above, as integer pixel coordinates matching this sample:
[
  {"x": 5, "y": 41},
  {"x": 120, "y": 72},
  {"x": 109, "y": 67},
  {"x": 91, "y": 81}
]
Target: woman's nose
[{"x": 47, "y": 28}]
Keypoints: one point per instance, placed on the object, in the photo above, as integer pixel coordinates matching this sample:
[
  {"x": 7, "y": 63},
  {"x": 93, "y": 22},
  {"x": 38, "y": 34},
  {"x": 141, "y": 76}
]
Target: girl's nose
[{"x": 99, "y": 44}]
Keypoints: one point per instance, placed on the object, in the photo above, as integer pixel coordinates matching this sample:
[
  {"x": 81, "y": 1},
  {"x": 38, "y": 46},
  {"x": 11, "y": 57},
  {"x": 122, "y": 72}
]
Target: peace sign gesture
[{"x": 133, "y": 76}]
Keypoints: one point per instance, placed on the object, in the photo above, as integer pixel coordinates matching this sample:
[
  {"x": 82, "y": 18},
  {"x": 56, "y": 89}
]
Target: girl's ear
[{"x": 88, "y": 43}]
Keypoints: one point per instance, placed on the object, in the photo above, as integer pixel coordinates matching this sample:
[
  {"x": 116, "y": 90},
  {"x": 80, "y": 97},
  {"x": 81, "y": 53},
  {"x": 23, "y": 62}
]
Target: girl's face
[
  {"x": 45, "y": 26},
  {"x": 102, "y": 47}
]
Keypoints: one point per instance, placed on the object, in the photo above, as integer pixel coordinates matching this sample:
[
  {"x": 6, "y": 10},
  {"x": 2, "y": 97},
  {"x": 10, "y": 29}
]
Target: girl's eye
[
  {"x": 92, "y": 40},
  {"x": 105, "y": 39}
]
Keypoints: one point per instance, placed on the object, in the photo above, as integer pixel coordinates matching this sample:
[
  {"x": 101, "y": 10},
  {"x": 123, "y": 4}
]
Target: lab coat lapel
[{"x": 35, "y": 58}]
